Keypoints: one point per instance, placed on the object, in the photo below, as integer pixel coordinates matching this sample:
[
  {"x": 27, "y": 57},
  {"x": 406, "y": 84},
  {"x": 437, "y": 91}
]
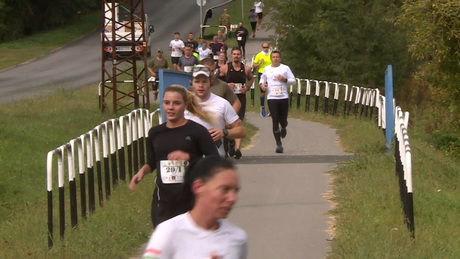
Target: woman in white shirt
[
  {"x": 275, "y": 80},
  {"x": 202, "y": 232}
]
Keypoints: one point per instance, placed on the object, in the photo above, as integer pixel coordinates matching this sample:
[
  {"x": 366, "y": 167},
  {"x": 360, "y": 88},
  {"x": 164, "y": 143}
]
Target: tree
[
  {"x": 434, "y": 32},
  {"x": 345, "y": 41}
]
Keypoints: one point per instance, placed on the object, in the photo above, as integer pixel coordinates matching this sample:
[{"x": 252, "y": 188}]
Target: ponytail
[{"x": 193, "y": 104}]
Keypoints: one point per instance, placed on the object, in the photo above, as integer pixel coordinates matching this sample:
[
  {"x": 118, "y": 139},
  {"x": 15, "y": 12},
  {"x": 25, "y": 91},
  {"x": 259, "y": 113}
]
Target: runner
[
  {"x": 239, "y": 78},
  {"x": 275, "y": 79},
  {"x": 176, "y": 46},
  {"x": 170, "y": 147},
  {"x": 202, "y": 232},
  {"x": 220, "y": 109},
  {"x": 262, "y": 60}
]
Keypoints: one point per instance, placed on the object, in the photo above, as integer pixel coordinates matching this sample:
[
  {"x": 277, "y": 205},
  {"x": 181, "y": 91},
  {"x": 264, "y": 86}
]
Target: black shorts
[
  {"x": 175, "y": 60},
  {"x": 260, "y": 15}
]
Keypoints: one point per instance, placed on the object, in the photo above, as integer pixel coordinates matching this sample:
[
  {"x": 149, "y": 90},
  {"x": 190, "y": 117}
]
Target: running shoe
[
  {"x": 283, "y": 132},
  {"x": 238, "y": 154},
  {"x": 279, "y": 149},
  {"x": 262, "y": 111}
]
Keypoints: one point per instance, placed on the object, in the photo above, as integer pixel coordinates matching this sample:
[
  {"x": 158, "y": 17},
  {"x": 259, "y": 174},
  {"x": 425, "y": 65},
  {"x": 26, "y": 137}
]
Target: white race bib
[
  {"x": 276, "y": 90},
  {"x": 188, "y": 69},
  {"x": 239, "y": 38},
  {"x": 216, "y": 57},
  {"x": 237, "y": 88},
  {"x": 172, "y": 171}
]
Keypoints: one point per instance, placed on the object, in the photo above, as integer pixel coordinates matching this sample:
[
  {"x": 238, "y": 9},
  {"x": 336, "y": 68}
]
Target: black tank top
[{"x": 235, "y": 76}]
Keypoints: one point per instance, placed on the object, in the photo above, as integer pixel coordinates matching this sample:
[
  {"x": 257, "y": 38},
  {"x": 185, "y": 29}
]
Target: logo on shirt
[{"x": 188, "y": 138}]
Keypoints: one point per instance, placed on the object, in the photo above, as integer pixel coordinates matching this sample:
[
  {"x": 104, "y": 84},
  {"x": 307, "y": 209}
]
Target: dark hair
[
  {"x": 275, "y": 51},
  {"x": 203, "y": 169},
  {"x": 236, "y": 48}
]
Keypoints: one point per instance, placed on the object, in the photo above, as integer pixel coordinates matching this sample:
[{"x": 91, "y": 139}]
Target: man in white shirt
[
  {"x": 275, "y": 80},
  {"x": 221, "y": 109},
  {"x": 176, "y": 46}
]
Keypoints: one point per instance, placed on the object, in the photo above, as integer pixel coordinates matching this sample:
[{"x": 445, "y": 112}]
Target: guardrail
[
  {"x": 367, "y": 103},
  {"x": 101, "y": 162},
  {"x": 403, "y": 159}
]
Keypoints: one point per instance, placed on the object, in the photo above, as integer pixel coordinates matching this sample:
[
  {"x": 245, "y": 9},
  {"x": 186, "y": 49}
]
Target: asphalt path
[{"x": 79, "y": 64}]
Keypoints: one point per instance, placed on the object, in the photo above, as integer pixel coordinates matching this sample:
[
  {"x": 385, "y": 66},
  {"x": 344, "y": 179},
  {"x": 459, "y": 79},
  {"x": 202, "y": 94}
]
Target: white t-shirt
[
  {"x": 277, "y": 89},
  {"x": 204, "y": 53},
  {"x": 180, "y": 238},
  {"x": 258, "y": 6},
  {"x": 177, "y": 45},
  {"x": 221, "y": 111}
]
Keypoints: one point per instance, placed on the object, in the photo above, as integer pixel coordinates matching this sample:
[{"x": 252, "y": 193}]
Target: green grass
[
  {"x": 39, "y": 44},
  {"x": 368, "y": 218}
]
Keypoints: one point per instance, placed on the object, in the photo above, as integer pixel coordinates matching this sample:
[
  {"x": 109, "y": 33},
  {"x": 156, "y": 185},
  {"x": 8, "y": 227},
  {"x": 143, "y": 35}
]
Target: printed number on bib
[
  {"x": 172, "y": 171},
  {"x": 239, "y": 38},
  {"x": 276, "y": 91},
  {"x": 237, "y": 88},
  {"x": 188, "y": 69}
]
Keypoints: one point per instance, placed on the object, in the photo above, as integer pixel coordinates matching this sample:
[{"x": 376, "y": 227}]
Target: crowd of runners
[{"x": 193, "y": 194}]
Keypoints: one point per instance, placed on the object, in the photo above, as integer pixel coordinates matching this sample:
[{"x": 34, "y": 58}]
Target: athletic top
[
  {"x": 216, "y": 47},
  {"x": 222, "y": 112},
  {"x": 204, "y": 53},
  {"x": 186, "y": 64},
  {"x": 220, "y": 88},
  {"x": 177, "y": 45},
  {"x": 234, "y": 76},
  {"x": 192, "y": 44},
  {"x": 267, "y": 61},
  {"x": 180, "y": 237},
  {"x": 191, "y": 138},
  {"x": 277, "y": 89},
  {"x": 258, "y": 6},
  {"x": 156, "y": 64},
  {"x": 252, "y": 17}
]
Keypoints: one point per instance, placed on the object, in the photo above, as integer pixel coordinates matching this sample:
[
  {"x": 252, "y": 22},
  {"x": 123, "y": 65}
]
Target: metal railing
[{"x": 102, "y": 156}]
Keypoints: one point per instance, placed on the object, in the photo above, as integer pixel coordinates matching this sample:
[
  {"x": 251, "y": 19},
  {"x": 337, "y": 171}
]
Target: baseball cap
[
  {"x": 160, "y": 50},
  {"x": 200, "y": 70}
]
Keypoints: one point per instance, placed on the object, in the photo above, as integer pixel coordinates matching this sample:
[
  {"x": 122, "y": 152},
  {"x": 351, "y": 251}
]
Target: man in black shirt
[{"x": 241, "y": 36}]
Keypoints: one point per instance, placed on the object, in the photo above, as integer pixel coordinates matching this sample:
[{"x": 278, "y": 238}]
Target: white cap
[{"x": 200, "y": 70}]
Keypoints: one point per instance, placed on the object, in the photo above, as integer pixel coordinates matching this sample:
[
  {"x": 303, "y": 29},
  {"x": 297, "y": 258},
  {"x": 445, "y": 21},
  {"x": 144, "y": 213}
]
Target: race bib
[
  {"x": 188, "y": 69},
  {"x": 239, "y": 38},
  {"x": 216, "y": 57},
  {"x": 276, "y": 90},
  {"x": 237, "y": 88},
  {"x": 172, "y": 171}
]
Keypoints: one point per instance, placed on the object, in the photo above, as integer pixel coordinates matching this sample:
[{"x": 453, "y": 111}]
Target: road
[{"x": 79, "y": 64}]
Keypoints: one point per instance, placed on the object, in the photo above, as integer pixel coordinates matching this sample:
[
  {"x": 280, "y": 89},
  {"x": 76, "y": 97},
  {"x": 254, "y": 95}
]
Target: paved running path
[{"x": 283, "y": 200}]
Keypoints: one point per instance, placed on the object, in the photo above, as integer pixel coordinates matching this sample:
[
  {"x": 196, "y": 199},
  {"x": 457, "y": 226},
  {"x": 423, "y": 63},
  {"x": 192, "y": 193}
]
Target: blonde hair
[{"x": 192, "y": 101}]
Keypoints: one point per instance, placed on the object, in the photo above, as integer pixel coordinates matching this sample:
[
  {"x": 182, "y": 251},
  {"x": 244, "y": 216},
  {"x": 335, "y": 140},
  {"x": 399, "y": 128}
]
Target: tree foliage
[
  {"x": 346, "y": 41},
  {"x": 434, "y": 34},
  {"x": 354, "y": 41},
  {"x": 23, "y": 17}
]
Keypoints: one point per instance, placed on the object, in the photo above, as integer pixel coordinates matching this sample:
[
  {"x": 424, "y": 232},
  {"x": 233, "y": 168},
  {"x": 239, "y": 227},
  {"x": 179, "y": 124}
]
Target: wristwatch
[{"x": 225, "y": 131}]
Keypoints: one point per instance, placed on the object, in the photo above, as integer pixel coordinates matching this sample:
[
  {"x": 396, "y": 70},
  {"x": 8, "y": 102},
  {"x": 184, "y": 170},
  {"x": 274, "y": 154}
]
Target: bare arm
[
  {"x": 146, "y": 169},
  {"x": 236, "y": 105},
  {"x": 236, "y": 130}
]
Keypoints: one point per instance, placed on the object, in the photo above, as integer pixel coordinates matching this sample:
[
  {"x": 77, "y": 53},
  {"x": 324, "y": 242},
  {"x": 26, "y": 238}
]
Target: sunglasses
[{"x": 198, "y": 69}]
